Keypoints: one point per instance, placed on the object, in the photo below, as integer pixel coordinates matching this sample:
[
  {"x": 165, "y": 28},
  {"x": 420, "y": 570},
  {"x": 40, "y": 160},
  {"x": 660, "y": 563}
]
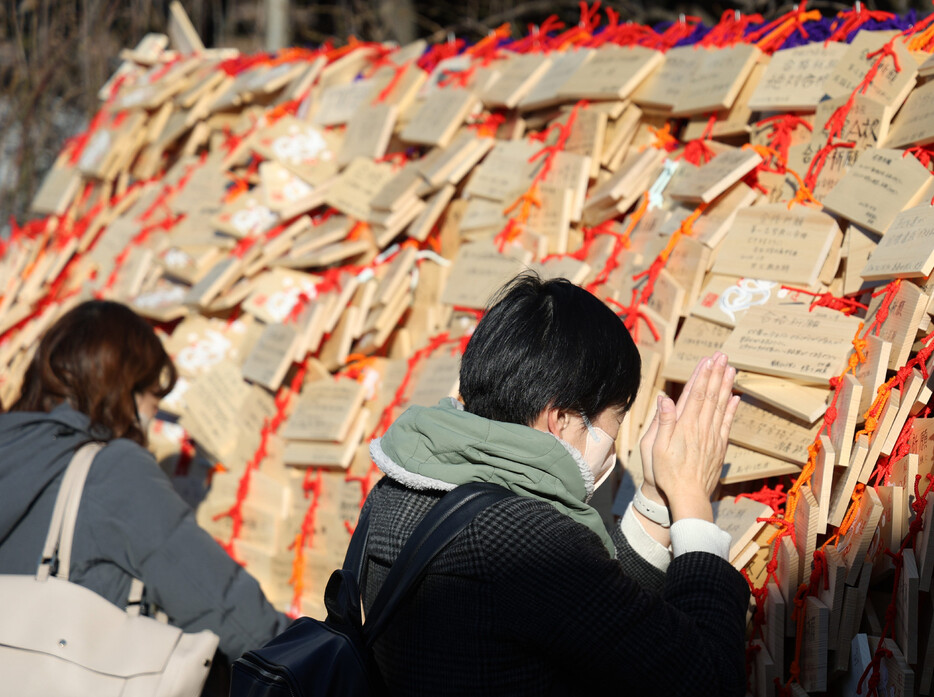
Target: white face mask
[
  {"x": 599, "y": 453},
  {"x": 145, "y": 421}
]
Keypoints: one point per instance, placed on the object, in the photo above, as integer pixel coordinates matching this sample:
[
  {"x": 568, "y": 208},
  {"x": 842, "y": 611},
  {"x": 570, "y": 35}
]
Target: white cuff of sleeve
[
  {"x": 696, "y": 535},
  {"x": 642, "y": 543}
]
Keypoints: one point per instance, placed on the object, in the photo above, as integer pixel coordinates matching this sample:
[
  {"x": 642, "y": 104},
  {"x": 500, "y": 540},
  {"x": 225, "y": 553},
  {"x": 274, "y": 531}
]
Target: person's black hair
[{"x": 545, "y": 344}]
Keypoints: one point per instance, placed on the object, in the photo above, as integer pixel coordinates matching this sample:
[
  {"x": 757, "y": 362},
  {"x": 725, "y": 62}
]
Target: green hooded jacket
[{"x": 444, "y": 446}]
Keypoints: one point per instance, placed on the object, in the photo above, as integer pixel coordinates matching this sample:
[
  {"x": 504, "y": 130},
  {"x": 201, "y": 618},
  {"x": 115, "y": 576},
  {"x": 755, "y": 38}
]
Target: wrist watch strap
[{"x": 656, "y": 512}]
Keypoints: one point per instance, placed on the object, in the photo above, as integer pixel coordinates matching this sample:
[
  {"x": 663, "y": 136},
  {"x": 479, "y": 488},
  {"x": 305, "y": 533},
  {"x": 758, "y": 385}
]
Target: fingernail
[
  {"x": 721, "y": 359},
  {"x": 708, "y": 364}
]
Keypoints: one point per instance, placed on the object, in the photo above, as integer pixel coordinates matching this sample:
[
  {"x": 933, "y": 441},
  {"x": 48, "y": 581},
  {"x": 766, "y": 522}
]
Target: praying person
[{"x": 535, "y": 596}]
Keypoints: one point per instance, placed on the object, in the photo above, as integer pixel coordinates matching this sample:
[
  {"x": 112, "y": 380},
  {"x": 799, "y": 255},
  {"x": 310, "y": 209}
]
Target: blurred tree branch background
[{"x": 55, "y": 54}]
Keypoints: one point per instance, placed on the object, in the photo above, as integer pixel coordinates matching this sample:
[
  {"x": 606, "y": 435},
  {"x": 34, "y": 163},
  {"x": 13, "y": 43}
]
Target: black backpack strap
[
  {"x": 354, "y": 558},
  {"x": 438, "y": 528}
]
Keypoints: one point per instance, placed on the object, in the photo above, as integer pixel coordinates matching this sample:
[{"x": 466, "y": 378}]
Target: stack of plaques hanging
[{"x": 315, "y": 234}]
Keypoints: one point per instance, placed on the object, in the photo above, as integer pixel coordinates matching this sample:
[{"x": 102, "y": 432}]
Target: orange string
[{"x": 530, "y": 198}]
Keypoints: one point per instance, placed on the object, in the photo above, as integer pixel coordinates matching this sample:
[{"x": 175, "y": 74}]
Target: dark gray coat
[
  {"x": 131, "y": 523},
  {"x": 527, "y": 602}
]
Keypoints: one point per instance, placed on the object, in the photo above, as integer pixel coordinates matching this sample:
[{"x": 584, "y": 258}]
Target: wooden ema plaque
[
  {"x": 810, "y": 347},
  {"x": 287, "y": 194},
  {"x": 877, "y": 188},
  {"x": 774, "y": 633},
  {"x": 276, "y": 293},
  {"x": 837, "y": 163},
  {"x": 897, "y": 677},
  {"x": 505, "y": 172},
  {"x": 307, "y": 151},
  {"x": 715, "y": 177},
  {"x": 696, "y": 339},
  {"x": 866, "y": 124},
  {"x": 437, "y": 378},
  {"x": 326, "y": 453},
  {"x": 806, "y": 519},
  {"x": 854, "y": 600},
  {"x": 800, "y": 402},
  {"x": 774, "y": 243},
  {"x": 212, "y": 402},
  {"x": 744, "y": 465},
  {"x": 913, "y": 125},
  {"x": 897, "y": 499},
  {"x": 767, "y": 431},
  {"x": 717, "y": 218},
  {"x": 272, "y": 355},
  {"x": 661, "y": 89},
  {"x": 857, "y": 246},
  {"x": 58, "y": 189},
  {"x": 831, "y": 593},
  {"x": 453, "y": 163},
  {"x": 716, "y": 80},
  {"x": 338, "y": 103},
  {"x": 737, "y": 517},
  {"x": 908, "y": 404},
  {"x": 904, "y": 315},
  {"x": 516, "y": 80},
  {"x": 221, "y": 276},
  {"x": 854, "y": 545},
  {"x": 587, "y": 136},
  {"x": 478, "y": 271},
  {"x": 890, "y": 85},
  {"x": 815, "y": 644},
  {"x": 822, "y": 482},
  {"x": 787, "y": 573},
  {"x": 357, "y": 186},
  {"x": 368, "y": 132},
  {"x": 544, "y": 93},
  {"x": 247, "y": 216},
  {"x": 733, "y": 122},
  {"x": 439, "y": 117},
  {"x": 877, "y": 438},
  {"x": 907, "y": 248},
  {"x": 841, "y": 431},
  {"x": 611, "y": 73},
  {"x": 921, "y": 443},
  {"x": 325, "y": 411},
  {"x": 794, "y": 78}
]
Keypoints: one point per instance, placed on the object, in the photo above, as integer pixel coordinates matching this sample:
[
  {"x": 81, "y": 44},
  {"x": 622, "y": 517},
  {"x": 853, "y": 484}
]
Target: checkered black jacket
[{"x": 527, "y": 601}]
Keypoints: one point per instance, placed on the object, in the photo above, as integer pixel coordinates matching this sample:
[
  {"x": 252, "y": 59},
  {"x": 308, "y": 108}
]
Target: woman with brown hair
[{"x": 98, "y": 375}]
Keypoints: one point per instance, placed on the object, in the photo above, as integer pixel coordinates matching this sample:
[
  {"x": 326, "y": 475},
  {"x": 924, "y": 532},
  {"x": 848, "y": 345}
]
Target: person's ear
[{"x": 558, "y": 421}]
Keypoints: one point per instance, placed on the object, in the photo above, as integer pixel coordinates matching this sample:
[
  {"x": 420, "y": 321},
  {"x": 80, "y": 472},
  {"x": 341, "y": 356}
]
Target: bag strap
[
  {"x": 438, "y": 528},
  {"x": 65, "y": 513}
]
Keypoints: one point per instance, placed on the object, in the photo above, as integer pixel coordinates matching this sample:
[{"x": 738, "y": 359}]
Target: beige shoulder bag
[{"x": 59, "y": 638}]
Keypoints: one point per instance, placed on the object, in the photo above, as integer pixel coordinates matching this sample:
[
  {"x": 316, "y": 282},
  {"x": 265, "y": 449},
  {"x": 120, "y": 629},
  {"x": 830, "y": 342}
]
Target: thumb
[{"x": 667, "y": 417}]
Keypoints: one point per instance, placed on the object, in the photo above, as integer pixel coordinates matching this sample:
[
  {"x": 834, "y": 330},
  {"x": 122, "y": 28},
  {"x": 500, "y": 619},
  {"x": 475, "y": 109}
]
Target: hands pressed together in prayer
[{"x": 683, "y": 449}]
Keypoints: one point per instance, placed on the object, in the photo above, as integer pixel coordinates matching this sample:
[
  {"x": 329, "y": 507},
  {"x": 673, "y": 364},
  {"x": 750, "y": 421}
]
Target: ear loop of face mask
[
  {"x": 590, "y": 428},
  {"x": 144, "y": 422}
]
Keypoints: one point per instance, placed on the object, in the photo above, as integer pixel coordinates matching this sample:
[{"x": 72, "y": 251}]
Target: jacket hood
[
  {"x": 35, "y": 447},
  {"x": 444, "y": 446}
]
